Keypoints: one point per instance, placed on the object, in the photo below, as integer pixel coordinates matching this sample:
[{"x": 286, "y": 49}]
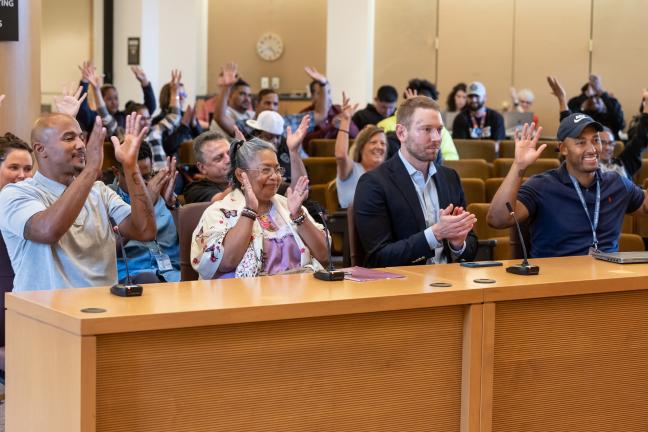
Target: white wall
[{"x": 350, "y": 49}]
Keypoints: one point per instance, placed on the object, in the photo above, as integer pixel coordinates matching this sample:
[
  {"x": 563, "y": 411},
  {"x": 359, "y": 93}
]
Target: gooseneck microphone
[
  {"x": 330, "y": 274},
  {"x": 524, "y": 269},
  {"x": 129, "y": 289}
]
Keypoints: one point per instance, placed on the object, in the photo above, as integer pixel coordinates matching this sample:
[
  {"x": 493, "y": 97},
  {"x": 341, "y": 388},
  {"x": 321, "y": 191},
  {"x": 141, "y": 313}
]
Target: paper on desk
[{"x": 361, "y": 274}]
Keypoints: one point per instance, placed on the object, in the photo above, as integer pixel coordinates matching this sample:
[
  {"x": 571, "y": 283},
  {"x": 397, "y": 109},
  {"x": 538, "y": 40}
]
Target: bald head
[{"x": 45, "y": 126}]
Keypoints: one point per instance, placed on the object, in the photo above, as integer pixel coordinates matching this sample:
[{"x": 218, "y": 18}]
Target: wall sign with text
[
  {"x": 133, "y": 50},
  {"x": 8, "y": 20}
]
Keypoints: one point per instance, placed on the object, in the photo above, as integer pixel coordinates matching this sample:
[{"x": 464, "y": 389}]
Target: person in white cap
[
  {"x": 477, "y": 121},
  {"x": 269, "y": 126}
]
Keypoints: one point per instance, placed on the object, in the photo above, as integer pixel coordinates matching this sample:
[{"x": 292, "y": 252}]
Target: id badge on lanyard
[
  {"x": 163, "y": 261},
  {"x": 597, "y": 210}
]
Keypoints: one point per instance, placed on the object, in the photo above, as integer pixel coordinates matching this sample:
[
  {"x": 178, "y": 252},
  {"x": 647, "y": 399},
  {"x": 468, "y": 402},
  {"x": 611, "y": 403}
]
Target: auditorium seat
[
  {"x": 502, "y": 166},
  {"x": 323, "y": 147},
  {"x": 188, "y": 217},
  {"x": 476, "y": 149},
  {"x": 321, "y": 170},
  {"x": 355, "y": 245},
  {"x": 186, "y": 153},
  {"x": 631, "y": 243},
  {"x": 642, "y": 174},
  {"x": 492, "y": 185},
  {"x": 486, "y": 232},
  {"x": 474, "y": 190},
  {"x": 618, "y": 148},
  {"x": 470, "y": 168}
]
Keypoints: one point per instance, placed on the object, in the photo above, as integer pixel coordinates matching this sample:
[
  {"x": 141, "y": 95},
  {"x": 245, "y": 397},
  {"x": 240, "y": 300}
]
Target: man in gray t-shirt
[{"x": 57, "y": 225}]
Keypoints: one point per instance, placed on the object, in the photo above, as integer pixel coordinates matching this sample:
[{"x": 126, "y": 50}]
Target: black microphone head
[{"x": 509, "y": 207}]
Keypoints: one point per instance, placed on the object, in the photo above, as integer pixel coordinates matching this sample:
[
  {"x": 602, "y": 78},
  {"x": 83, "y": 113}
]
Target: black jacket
[
  {"x": 389, "y": 219},
  {"x": 613, "y": 118}
]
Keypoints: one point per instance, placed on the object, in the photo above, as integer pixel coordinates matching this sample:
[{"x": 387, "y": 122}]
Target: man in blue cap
[{"x": 572, "y": 209}]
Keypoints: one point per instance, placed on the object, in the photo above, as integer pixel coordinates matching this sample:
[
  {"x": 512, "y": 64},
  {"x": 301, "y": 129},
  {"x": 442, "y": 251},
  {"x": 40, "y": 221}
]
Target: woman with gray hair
[{"x": 253, "y": 230}]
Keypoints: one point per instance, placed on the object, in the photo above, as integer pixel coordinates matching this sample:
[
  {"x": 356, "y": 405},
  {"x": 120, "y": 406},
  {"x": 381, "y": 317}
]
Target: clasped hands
[{"x": 454, "y": 225}]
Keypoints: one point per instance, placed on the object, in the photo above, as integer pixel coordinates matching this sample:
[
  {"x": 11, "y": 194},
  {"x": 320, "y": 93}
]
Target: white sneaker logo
[{"x": 579, "y": 118}]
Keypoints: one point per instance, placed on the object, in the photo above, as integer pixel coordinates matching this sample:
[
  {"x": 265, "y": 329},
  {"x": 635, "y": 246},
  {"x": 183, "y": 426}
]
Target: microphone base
[
  {"x": 126, "y": 290},
  {"x": 325, "y": 275},
  {"x": 524, "y": 270}
]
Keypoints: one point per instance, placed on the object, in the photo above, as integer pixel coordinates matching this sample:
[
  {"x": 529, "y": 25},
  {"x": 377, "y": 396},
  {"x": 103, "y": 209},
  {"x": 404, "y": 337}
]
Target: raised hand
[
  {"x": 168, "y": 192},
  {"x": 297, "y": 196},
  {"x": 644, "y": 100},
  {"x": 126, "y": 151},
  {"x": 228, "y": 75},
  {"x": 89, "y": 74},
  {"x": 315, "y": 75},
  {"x": 94, "y": 147},
  {"x": 176, "y": 79},
  {"x": 409, "y": 93},
  {"x": 188, "y": 116},
  {"x": 595, "y": 84},
  {"x": 1, "y": 99},
  {"x": 140, "y": 75},
  {"x": 69, "y": 103},
  {"x": 347, "y": 108},
  {"x": 556, "y": 89},
  {"x": 454, "y": 225},
  {"x": 251, "y": 200},
  {"x": 526, "y": 141},
  {"x": 158, "y": 183},
  {"x": 294, "y": 139},
  {"x": 238, "y": 134}
]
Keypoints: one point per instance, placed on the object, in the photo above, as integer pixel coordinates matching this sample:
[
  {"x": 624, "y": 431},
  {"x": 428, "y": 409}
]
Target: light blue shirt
[
  {"x": 346, "y": 188},
  {"x": 429, "y": 199},
  {"x": 83, "y": 257}
]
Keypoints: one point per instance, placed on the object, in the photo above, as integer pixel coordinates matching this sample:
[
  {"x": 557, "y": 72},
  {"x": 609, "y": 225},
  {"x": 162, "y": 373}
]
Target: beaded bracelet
[
  {"x": 249, "y": 213},
  {"x": 299, "y": 219},
  {"x": 344, "y": 130}
]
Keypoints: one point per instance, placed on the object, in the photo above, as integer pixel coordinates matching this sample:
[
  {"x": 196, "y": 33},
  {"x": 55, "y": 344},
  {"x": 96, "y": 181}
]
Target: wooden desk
[{"x": 562, "y": 351}]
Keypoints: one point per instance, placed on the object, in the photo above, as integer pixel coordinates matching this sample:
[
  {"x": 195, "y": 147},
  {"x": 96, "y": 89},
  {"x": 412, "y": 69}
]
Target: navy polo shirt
[{"x": 559, "y": 225}]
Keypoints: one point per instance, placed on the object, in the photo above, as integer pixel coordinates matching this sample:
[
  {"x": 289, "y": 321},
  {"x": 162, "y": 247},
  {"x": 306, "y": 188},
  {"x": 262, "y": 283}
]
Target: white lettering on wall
[{"x": 6, "y": 3}]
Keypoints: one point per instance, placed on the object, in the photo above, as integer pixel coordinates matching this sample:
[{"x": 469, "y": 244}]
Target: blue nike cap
[{"x": 573, "y": 125}]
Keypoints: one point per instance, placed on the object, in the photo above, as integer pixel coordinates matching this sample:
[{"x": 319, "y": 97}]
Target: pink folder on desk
[{"x": 361, "y": 274}]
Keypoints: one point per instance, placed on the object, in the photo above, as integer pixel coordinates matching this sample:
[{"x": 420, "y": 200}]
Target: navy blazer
[{"x": 389, "y": 219}]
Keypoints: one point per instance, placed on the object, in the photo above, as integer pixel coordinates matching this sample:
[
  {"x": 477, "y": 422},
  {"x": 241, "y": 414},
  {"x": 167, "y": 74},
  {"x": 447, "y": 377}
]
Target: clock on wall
[{"x": 270, "y": 47}]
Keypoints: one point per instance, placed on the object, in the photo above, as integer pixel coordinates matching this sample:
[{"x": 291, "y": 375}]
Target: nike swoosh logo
[{"x": 579, "y": 118}]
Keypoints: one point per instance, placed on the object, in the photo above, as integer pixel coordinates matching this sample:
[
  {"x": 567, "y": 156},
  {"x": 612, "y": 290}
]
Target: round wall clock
[{"x": 270, "y": 47}]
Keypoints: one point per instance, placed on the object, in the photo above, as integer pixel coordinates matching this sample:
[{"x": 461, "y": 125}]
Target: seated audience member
[
  {"x": 457, "y": 98},
  {"x": 156, "y": 132},
  {"x": 629, "y": 161},
  {"x": 477, "y": 121},
  {"x": 254, "y": 231},
  {"x": 598, "y": 104},
  {"x": 110, "y": 95},
  {"x": 161, "y": 256},
  {"x": 523, "y": 102},
  {"x": 211, "y": 151},
  {"x": 410, "y": 210},
  {"x": 385, "y": 105},
  {"x": 419, "y": 87},
  {"x": 16, "y": 162},
  {"x": 56, "y": 224},
  {"x": 328, "y": 127},
  {"x": 268, "y": 100},
  {"x": 369, "y": 150},
  {"x": 572, "y": 209},
  {"x": 15, "y": 165},
  {"x": 188, "y": 129},
  {"x": 269, "y": 126}
]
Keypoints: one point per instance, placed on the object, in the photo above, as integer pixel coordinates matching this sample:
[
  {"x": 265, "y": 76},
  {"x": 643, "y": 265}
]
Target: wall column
[{"x": 20, "y": 73}]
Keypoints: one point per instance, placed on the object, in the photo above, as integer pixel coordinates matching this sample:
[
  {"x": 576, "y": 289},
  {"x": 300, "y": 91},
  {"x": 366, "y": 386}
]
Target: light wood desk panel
[{"x": 293, "y": 353}]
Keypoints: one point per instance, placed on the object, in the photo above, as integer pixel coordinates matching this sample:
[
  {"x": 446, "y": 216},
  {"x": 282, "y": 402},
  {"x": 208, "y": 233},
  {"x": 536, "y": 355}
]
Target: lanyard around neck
[{"x": 597, "y": 208}]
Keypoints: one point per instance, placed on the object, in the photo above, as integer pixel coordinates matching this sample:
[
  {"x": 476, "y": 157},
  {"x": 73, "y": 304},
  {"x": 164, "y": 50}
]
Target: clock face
[{"x": 269, "y": 47}]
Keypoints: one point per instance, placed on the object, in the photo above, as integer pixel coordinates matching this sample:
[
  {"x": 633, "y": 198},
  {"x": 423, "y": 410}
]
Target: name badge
[{"x": 163, "y": 262}]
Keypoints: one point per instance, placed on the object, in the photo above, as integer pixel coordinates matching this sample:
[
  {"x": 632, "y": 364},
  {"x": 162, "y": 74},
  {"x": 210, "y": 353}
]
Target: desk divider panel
[{"x": 385, "y": 371}]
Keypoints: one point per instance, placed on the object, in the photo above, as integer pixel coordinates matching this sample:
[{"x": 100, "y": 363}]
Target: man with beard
[
  {"x": 409, "y": 210},
  {"x": 572, "y": 209},
  {"x": 477, "y": 121},
  {"x": 599, "y": 104},
  {"x": 57, "y": 225}
]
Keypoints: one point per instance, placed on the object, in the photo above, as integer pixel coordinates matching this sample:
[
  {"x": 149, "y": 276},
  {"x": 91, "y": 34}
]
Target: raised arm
[
  {"x": 314, "y": 238},
  {"x": 69, "y": 102},
  {"x": 322, "y": 102},
  {"x": 85, "y": 116},
  {"x": 140, "y": 224},
  {"x": 526, "y": 154},
  {"x": 147, "y": 88},
  {"x": 96, "y": 80},
  {"x": 227, "y": 78},
  {"x": 294, "y": 143},
  {"x": 631, "y": 154},
  {"x": 559, "y": 92},
  {"x": 48, "y": 226},
  {"x": 342, "y": 159}
]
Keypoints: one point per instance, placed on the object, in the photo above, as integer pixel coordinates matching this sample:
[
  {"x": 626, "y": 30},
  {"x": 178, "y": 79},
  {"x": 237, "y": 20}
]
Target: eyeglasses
[
  {"x": 607, "y": 143},
  {"x": 268, "y": 171}
]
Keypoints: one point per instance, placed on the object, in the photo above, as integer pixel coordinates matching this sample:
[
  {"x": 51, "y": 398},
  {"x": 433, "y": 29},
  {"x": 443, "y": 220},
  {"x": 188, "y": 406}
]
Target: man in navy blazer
[{"x": 410, "y": 210}]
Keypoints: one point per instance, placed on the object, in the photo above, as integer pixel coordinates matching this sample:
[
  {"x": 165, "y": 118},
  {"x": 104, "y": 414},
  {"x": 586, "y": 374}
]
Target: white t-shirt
[{"x": 84, "y": 257}]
